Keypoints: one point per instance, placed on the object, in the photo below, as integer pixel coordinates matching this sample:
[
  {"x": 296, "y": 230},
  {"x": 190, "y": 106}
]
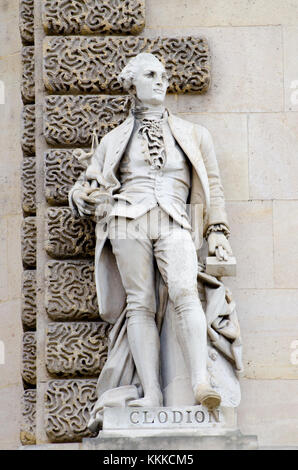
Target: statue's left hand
[{"x": 219, "y": 245}]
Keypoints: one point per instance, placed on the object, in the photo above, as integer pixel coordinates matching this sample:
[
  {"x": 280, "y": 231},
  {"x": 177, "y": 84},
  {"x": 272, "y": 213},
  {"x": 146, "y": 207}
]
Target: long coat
[
  {"x": 206, "y": 198},
  {"x": 118, "y": 382}
]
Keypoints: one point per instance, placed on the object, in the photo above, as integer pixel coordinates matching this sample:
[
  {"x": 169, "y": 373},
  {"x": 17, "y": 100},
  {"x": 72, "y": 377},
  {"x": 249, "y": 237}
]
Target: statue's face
[{"x": 151, "y": 83}]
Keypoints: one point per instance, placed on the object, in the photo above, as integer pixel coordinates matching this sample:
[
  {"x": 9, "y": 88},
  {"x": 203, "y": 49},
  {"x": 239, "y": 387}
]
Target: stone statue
[{"x": 154, "y": 190}]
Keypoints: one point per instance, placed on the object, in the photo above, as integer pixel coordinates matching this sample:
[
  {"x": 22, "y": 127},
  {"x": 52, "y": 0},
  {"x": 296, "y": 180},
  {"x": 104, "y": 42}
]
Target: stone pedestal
[{"x": 169, "y": 428}]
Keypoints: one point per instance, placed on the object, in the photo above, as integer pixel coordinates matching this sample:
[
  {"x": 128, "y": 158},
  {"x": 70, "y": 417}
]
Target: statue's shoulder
[{"x": 118, "y": 131}]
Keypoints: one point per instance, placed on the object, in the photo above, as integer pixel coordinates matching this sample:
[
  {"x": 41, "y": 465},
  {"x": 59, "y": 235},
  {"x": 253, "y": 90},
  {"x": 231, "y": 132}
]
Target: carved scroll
[
  {"x": 28, "y": 417},
  {"x": 93, "y": 16},
  {"x": 67, "y": 408},
  {"x": 80, "y": 64},
  {"x": 28, "y": 129},
  {"x": 61, "y": 172},
  {"x": 76, "y": 349},
  {"x": 28, "y": 185},
  {"x": 28, "y": 80},
  {"x": 26, "y": 22},
  {"x": 68, "y": 236},
  {"x": 29, "y": 242},
  {"x": 70, "y": 290},
  {"x": 29, "y": 299},
  {"x": 70, "y": 120},
  {"x": 29, "y": 358}
]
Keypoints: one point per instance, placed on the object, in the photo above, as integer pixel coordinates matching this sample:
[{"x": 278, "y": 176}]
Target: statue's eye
[{"x": 150, "y": 74}]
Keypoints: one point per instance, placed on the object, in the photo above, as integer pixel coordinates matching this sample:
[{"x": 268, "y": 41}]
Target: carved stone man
[{"x": 154, "y": 187}]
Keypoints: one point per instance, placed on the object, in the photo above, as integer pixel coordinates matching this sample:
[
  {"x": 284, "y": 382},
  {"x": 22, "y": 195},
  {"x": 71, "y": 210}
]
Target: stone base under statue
[{"x": 171, "y": 428}]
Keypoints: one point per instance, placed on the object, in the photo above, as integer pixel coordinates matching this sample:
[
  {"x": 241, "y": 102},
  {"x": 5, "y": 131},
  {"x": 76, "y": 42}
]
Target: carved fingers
[{"x": 219, "y": 245}]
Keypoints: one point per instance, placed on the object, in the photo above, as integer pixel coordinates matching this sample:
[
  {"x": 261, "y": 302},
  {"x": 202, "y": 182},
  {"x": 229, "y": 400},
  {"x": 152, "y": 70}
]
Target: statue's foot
[
  {"x": 206, "y": 396},
  {"x": 149, "y": 401}
]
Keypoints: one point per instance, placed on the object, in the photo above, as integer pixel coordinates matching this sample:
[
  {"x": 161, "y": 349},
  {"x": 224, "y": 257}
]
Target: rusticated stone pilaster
[
  {"x": 28, "y": 417},
  {"x": 28, "y": 185},
  {"x": 76, "y": 349},
  {"x": 26, "y": 11},
  {"x": 70, "y": 120},
  {"x": 68, "y": 236},
  {"x": 67, "y": 407},
  {"x": 28, "y": 80},
  {"x": 29, "y": 299},
  {"x": 61, "y": 172},
  {"x": 86, "y": 64},
  {"x": 29, "y": 242},
  {"x": 70, "y": 290},
  {"x": 94, "y": 16},
  {"x": 28, "y": 129},
  {"x": 29, "y": 358}
]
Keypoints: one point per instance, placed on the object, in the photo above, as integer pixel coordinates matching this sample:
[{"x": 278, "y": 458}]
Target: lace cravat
[{"x": 151, "y": 130}]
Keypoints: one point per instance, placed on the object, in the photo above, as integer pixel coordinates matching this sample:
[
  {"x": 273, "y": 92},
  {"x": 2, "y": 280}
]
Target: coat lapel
[
  {"x": 116, "y": 146},
  {"x": 185, "y": 134}
]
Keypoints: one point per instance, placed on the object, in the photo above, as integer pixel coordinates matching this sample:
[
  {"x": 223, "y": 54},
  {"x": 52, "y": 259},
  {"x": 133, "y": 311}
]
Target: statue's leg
[
  {"x": 134, "y": 255},
  {"x": 177, "y": 261}
]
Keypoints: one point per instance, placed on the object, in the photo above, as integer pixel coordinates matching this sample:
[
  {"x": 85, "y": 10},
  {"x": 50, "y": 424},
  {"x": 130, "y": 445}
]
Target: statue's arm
[
  {"x": 78, "y": 194},
  {"x": 218, "y": 230}
]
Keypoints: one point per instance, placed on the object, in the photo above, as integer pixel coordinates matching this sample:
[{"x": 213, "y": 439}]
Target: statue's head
[{"x": 148, "y": 77}]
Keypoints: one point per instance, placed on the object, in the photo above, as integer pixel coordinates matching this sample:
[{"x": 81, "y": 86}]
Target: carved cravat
[{"x": 151, "y": 130}]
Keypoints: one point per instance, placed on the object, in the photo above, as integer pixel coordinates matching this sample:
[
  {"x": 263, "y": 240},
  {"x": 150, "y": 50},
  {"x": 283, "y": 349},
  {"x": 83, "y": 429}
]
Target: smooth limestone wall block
[
  {"x": 202, "y": 13},
  {"x": 229, "y": 135},
  {"x": 273, "y": 162},
  {"x": 269, "y": 408},
  {"x": 285, "y": 229},
  {"x": 290, "y": 37},
  {"x": 268, "y": 321},
  {"x": 247, "y": 71},
  {"x": 252, "y": 244}
]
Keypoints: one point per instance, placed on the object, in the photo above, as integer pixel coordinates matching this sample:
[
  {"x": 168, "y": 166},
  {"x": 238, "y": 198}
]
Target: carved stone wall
[
  {"x": 85, "y": 45},
  {"x": 69, "y": 423},
  {"x": 28, "y": 236},
  {"x": 95, "y": 63},
  {"x": 94, "y": 16}
]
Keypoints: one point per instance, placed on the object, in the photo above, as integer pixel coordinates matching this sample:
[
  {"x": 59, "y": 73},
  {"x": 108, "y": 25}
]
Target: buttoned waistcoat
[{"x": 206, "y": 198}]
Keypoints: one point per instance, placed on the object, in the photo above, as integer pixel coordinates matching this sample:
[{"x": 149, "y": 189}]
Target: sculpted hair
[{"x": 128, "y": 74}]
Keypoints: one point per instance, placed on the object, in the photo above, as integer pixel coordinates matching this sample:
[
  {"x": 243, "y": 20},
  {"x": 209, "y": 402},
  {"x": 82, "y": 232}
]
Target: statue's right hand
[{"x": 84, "y": 205}]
